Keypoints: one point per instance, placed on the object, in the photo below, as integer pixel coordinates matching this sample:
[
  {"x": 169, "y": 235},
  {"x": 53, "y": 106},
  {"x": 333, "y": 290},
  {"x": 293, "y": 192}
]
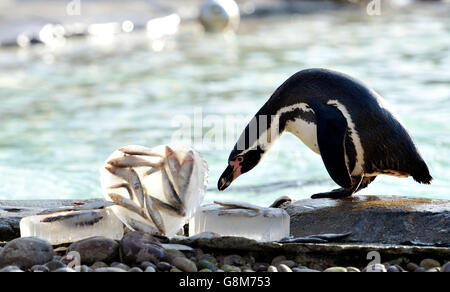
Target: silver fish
[
  {"x": 97, "y": 205},
  {"x": 141, "y": 226},
  {"x": 180, "y": 173},
  {"x": 238, "y": 205},
  {"x": 78, "y": 218},
  {"x": 127, "y": 204},
  {"x": 170, "y": 193},
  {"x": 154, "y": 215},
  {"x": 133, "y": 161},
  {"x": 139, "y": 150},
  {"x": 166, "y": 207},
  {"x": 125, "y": 186},
  {"x": 132, "y": 178}
]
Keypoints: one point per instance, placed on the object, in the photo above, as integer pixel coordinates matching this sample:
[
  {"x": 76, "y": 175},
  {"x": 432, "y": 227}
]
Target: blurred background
[{"x": 79, "y": 79}]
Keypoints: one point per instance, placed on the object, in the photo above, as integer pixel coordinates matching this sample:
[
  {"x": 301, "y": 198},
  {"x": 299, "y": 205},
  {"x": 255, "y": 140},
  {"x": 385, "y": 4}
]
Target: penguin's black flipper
[{"x": 331, "y": 131}]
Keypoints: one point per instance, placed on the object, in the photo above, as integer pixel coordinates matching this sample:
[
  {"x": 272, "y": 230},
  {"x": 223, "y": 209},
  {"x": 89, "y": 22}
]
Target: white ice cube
[
  {"x": 66, "y": 228},
  {"x": 264, "y": 224}
]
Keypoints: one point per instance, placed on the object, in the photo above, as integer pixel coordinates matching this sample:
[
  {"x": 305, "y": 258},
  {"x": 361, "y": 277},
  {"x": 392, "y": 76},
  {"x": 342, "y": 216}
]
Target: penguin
[{"x": 338, "y": 117}]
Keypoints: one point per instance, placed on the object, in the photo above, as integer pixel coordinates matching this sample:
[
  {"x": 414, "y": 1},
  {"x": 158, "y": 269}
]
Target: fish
[
  {"x": 331, "y": 236},
  {"x": 139, "y": 150},
  {"x": 127, "y": 204},
  {"x": 170, "y": 193},
  {"x": 154, "y": 215},
  {"x": 167, "y": 207},
  {"x": 132, "y": 178},
  {"x": 141, "y": 226},
  {"x": 303, "y": 240},
  {"x": 237, "y": 205},
  {"x": 97, "y": 205},
  {"x": 180, "y": 173},
  {"x": 133, "y": 161},
  {"x": 125, "y": 186},
  {"x": 78, "y": 218}
]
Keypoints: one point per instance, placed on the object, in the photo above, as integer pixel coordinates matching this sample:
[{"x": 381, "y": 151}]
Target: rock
[
  {"x": 98, "y": 265},
  {"x": 184, "y": 264},
  {"x": 109, "y": 270},
  {"x": 233, "y": 259},
  {"x": 120, "y": 266},
  {"x": 277, "y": 260},
  {"x": 172, "y": 254},
  {"x": 145, "y": 265},
  {"x": 283, "y": 268},
  {"x": 353, "y": 270},
  {"x": 135, "y": 270},
  {"x": 260, "y": 267},
  {"x": 205, "y": 271},
  {"x": 446, "y": 268},
  {"x": 272, "y": 269},
  {"x": 40, "y": 268},
  {"x": 247, "y": 270},
  {"x": 373, "y": 219},
  {"x": 393, "y": 269},
  {"x": 230, "y": 269},
  {"x": 420, "y": 270},
  {"x": 297, "y": 270},
  {"x": 429, "y": 264},
  {"x": 163, "y": 266},
  {"x": 175, "y": 270},
  {"x": 138, "y": 247},
  {"x": 411, "y": 267},
  {"x": 64, "y": 270},
  {"x": 336, "y": 270},
  {"x": 220, "y": 271},
  {"x": 433, "y": 270},
  {"x": 288, "y": 263},
  {"x": 54, "y": 265},
  {"x": 26, "y": 252},
  {"x": 85, "y": 269},
  {"x": 282, "y": 201},
  {"x": 209, "y": 258},
  {"x": 11, "y": 269},
  {"x": 96, "y": 249},
  {"x": 377, "y": 268},
  {"x": 204, "y": 264},
  {"x": 150, "y": 269}
]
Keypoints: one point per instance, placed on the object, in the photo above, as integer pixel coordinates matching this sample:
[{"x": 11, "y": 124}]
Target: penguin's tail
[{"x": 422, "y": 174}]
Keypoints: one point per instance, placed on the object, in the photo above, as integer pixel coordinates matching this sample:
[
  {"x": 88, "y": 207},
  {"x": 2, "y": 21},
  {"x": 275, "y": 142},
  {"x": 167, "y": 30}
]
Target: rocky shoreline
[{"x": 371, "y": 247}]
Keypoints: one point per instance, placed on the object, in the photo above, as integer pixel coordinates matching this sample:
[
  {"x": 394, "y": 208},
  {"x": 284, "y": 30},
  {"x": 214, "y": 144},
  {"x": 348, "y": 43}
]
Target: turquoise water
[{"x": 63, "y": 111}]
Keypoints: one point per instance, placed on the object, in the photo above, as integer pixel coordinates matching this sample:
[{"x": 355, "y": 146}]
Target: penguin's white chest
[{"x": 306, "y": 131}]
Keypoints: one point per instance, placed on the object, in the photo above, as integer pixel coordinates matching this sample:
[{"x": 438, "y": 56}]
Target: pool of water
[{"x": 63, "y": 111}]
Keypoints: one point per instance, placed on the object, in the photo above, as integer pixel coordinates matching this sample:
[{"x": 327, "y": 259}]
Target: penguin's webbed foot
[{"x": 334, "y": 194}]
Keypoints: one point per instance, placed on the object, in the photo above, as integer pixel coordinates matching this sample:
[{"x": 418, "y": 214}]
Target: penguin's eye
[{"x": 240, "y": 159}]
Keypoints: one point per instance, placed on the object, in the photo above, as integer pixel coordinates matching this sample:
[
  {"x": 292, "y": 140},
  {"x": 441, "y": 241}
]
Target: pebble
[
  {"x": 163, "y": 266},
  {"x": 375, "y": 268},
  {"x": 205, "y": 271},
  {"x": 247, "y": 270},
  {"x": 411, "y": 267},
  {"x": 135, "y": 270},
  {"x": 172, "y": 254},
  {"x": 150, "y": 269},
  {"x": 26, "y": 252},
  {"x": 11, "y": 269},
  {"x": 120, "y": 266},
  {"x": 298, "y": 270},
  {"x": 272, "y": 269},
  {"x": 336, "y": 270},
  {"x": 429, "y": 264},
  {"x": 277, "y": 260},
  {"x": 145, "y": 265},
  {"x": 64, "y": 270},
  {"x": 98, "y": 265},
  {"x": 230, "y": 268},
  {"x": 233, "y": 259},
  {"x": 283, "y": 268},
  {"x": 96, "y": 249},
  {"x": 420, "y": 270},
  {"x": 138, "y": 247},
  {"x": 433, "y": 270},
  {"x": 85, "y": 269},
  {"x": 260, "y": 267},
  {"x": 184, "y": 264},
  {"x": 54, "y": 265},
  {"x": 288, "y": 263},
  {"x": 109, "y": 270},
  {"x": 393, "y": 269},
  {"x": 40, "y": 268},
  {"x": 204, "y": 264},
  {"x": 353, "y": 270},
  {"x": 446, "y": 268},
  {"x": 175, "y": 270}
]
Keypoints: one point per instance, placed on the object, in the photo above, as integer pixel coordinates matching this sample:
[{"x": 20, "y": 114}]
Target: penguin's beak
[{"x": 228, "y": 176}]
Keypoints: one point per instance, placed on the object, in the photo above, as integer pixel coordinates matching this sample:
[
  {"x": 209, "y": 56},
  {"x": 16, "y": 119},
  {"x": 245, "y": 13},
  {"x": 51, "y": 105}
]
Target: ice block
[
  {"x": 66, "y": 227},
  {"x": 158, "y": 189},
  {"x": 244, "y": 220}
]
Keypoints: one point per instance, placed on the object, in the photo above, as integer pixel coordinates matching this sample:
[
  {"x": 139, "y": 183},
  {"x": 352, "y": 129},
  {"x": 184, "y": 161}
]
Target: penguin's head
[{"x": 239, "y": 162}]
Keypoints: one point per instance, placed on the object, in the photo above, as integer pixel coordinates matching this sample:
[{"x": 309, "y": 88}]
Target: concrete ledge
[{"x": 374, "y": 219}]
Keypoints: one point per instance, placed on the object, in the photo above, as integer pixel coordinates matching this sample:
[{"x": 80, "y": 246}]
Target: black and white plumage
[{"x": 341, "y": 119}]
